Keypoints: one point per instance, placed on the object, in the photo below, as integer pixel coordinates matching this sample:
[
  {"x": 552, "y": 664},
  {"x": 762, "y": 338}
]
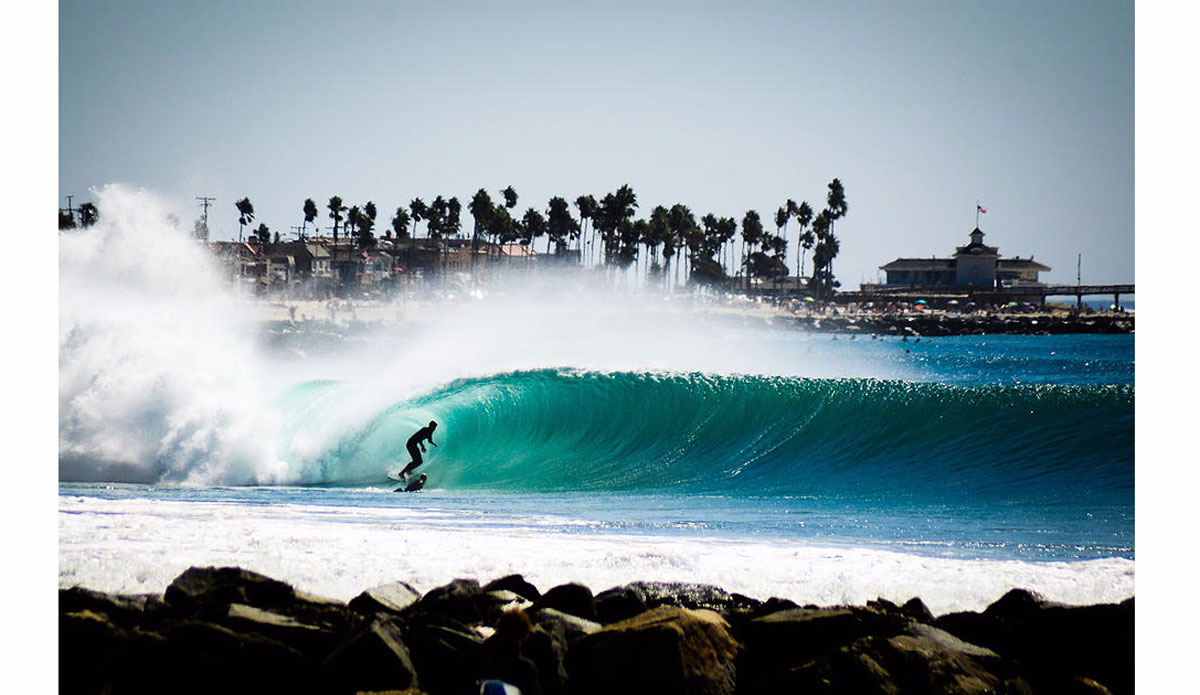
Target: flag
[{"x": 980, "y": 208}]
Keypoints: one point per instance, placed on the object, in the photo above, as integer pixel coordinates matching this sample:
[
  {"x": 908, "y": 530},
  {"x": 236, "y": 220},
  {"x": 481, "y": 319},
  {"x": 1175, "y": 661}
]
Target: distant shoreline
[{"x": 350, "y": 314}]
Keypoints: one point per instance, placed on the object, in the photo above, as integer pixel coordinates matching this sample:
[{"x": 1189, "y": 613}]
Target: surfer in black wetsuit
[{"x": 415, "y": 441}]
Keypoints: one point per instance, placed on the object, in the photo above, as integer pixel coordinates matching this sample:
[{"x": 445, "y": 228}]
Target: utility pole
[
  {"x": 297, "y": 230},
  {"x": 204, "y": 202}
]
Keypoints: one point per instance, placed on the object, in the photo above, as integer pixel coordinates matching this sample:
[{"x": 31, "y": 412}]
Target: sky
[{"x": 921, "y": 109}]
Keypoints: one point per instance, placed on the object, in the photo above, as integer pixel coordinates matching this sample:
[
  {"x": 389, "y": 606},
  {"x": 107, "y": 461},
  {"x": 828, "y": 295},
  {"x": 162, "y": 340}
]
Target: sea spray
[{"x": 157, "y": 381}]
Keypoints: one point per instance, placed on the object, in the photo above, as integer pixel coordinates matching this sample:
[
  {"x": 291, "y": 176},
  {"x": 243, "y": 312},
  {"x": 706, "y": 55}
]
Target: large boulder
[
  {"x": 516, "y": 584},
  {"x": 391, "y": 598},
  {"x": 314, "y": 640},
  {"x": 203, "y": 657},
  {"x": 458, "y": 600},
  {"x": 572, "y": 598},
  {"x": 96, "y": 655},
  {"x": 447, "y": 653},
  {"x": 201, "y": 588},
  {"x": 374, "y": 657},
  {"x": 790, "y": 638},
  {"x": 1056, "y": 645},
  {"x": 922, "y": 659},
  {"x": 662, "y": 651},
  {"x": 126, "y": 611},
  {"x": 631, "y": 599}
]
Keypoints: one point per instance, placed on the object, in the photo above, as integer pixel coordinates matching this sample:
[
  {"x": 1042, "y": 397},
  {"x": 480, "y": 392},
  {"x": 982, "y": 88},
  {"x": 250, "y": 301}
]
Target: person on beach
[{"x": 418, "y": 440}]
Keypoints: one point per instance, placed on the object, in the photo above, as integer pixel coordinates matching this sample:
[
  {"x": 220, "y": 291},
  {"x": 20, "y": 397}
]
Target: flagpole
[{"x": 976, "y": 213}]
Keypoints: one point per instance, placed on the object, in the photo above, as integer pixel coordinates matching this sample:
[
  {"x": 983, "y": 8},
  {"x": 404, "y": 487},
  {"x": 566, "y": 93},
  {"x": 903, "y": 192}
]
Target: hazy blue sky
[{"x": 920, "y": 108}]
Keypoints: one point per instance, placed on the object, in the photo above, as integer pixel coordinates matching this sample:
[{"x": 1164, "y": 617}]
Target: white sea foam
[{"x": 139, "y": 545}]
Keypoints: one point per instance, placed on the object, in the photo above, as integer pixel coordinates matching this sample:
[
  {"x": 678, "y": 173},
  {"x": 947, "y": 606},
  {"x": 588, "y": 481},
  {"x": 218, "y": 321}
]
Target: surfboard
[{"x": 395, "y": 475}]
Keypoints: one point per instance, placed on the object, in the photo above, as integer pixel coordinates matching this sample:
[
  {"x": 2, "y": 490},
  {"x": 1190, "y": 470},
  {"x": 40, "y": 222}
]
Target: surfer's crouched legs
[{"x": 415, "y": 452}]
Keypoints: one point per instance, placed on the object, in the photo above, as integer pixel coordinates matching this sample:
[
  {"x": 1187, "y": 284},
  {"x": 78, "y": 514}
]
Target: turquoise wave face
[{"x": 557, "y": 430}]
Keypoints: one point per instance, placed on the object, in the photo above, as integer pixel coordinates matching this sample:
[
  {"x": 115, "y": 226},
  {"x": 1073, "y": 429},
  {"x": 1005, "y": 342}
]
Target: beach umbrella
[
  {"x": 920, "y": 301},
  {"x": 809, "y": 299},
  {"x": 952, "y": 301}
]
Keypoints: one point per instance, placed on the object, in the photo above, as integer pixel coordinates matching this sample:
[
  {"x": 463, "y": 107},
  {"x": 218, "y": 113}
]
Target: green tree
[
  {"x": 65, "y": 220},
  {"x": 682, "y": 224},
  {"x": 419, "y": 210},
  {"x": 835, "y": 209},
  {"x": 484, "y": 211},
  {"x": 353, "y": 216},
  {"x": 400, "y": 223},
  {"x": 658, "y": 232},
  {"x": 335, "y": 213},
  {"x": 263, "y": 234},
  {"x": 510, "y": 197},
  {"x": 561, "y": 228},
  {"x": 366, "y": 227},
  {"x": 533, "y": 225},
  {"x": 310, "y": 214},
  {"x": 586, "y": 205},
  {"x": 752, "y": 233},
  {"x": 804, "y": 215},
  {"x": 88, "y": 215},
  {"x": 245, "y": 214}
]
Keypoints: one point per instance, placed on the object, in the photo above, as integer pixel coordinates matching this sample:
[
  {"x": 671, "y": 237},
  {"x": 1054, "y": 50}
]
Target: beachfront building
[{"x": 973, "y": 265}]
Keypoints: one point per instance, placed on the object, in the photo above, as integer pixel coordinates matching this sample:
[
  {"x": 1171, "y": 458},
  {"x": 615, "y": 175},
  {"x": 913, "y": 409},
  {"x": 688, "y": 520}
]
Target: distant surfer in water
[
  {"x": 416, "y": 445},
  {"x": 416, "y": 484}
]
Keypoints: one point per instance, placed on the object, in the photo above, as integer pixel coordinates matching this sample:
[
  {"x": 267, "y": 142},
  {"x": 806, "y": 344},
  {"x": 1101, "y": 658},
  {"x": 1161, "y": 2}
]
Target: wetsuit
[{"x": 415, "y": 447}]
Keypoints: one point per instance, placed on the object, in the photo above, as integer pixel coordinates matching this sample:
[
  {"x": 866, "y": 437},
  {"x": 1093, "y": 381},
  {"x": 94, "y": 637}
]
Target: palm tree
[
  {"x": 560, "y": 226},
  {"x": 587, "y": 210},
  {"x": 484, "y": 211},
  {"x": 353, "y": 215},
  {"x": 510, "y": 197},
  {"x": 310, "y": 214},
  {"x": 804, "y": 215},
  {"x": 681, "y": 223},
  {"x": 262, "y": 234},
  {"x": 365, "y": 225},
  {"x": 836, "y": 208},
  {"x": 245, "y": 214},
  {"x": 419, "y": 210},
  {"x": 752, "y": 233},
  {"x": 88, "y": 214},
  {"x": 335, "y": 213},
  {"x": 659, "y": 233},
  {"x": 533, "y": 225},
  {"x": 400, "y": 222}
]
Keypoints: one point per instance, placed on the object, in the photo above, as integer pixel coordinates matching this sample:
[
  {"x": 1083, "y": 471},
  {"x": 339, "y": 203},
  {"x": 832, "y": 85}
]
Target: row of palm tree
[{"x": 667, "y": 244}]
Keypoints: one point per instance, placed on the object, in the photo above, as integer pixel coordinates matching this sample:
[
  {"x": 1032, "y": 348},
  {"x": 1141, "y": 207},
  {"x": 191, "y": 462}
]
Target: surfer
[
  {"x": 415, "y": 485},
  {"x": 415, "y": 441}
]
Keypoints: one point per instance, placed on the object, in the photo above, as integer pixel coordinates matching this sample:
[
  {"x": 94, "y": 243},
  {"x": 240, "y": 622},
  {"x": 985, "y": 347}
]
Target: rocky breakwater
[
  {"x": 942, "y": 324},
  {"x": 228, "y": 630}
]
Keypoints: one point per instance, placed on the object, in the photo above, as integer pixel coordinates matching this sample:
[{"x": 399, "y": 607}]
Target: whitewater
[{"x": 586, "y": 434}]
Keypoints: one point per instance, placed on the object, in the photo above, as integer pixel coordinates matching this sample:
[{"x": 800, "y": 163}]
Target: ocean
[{"x": 585, "y": 434}]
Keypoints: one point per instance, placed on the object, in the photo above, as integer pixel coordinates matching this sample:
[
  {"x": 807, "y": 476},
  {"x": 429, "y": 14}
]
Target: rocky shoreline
[
  {"x": 941, "y": 324},
  {"x": 229, "y": 630}
]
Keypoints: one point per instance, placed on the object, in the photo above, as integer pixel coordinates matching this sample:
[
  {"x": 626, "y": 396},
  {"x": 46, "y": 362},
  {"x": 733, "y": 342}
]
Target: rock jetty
[
  {"x": 942, "y": 324},
  {"x": 229, "y": 630}
]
